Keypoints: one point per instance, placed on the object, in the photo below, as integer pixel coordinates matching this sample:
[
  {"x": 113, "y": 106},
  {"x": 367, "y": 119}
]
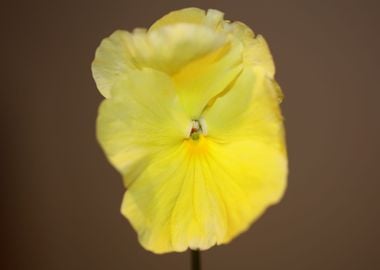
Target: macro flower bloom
[{"x": 192, "y": 122}]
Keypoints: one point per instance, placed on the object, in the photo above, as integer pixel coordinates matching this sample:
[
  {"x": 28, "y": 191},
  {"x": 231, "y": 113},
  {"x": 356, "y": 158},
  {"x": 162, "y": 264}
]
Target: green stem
[{"x": 195, "y": 260}]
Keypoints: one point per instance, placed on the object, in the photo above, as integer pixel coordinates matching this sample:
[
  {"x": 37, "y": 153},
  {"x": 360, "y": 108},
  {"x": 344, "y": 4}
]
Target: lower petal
[{"x": 203, "y": 193}]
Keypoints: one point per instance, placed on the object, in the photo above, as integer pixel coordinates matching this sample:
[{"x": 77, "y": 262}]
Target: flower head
[{"x": 191, "y": 120}]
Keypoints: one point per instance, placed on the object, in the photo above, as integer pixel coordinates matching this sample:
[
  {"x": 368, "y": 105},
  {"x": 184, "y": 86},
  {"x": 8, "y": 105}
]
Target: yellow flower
[{"x": 191, "y": 120}]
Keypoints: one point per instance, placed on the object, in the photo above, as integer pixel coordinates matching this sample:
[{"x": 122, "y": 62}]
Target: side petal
[
  {"x": 112, "y": 60},
  {"x": 225, "y": 110},
  {"x": 249, "y": 111},
  {"x": 142, "y": 117}
]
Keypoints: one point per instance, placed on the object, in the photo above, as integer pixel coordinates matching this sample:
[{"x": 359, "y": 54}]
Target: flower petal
[
  {"x": 112, "y": 59},
  {"x": 257, "y": 54},
  {"x": 250, "y": 110},
  {"x": 256, "y": 50},
  {"x": 187, "y": 15},
  {"x": 251, "y": 176},
  {"x": 202, "y": 79},
  {"x": 203, "y": 193},
  {"x": 142, "y": 117},
  {"x": 167, "y": 49},
  {"x": 212, "y": 18}
]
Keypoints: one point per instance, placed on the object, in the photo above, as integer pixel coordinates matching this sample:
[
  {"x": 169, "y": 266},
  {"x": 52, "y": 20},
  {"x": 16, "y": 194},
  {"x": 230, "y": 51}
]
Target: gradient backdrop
[{"x": 60, "y": 198}]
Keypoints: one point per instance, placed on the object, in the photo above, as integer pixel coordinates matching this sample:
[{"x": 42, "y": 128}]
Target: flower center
[{"x": 198, "y": 127}]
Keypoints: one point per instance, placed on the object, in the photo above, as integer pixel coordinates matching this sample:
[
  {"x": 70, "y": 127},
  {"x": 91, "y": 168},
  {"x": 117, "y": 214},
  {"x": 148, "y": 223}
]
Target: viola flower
[{"x": 191, "y": 120}]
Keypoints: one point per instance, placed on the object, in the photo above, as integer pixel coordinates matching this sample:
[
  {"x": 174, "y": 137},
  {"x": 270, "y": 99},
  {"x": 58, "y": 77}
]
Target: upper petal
[
  {"x": 212, "y": 18},
  {"x": 256, "y": 50},
  {"x": 187, "y": 15},
  {"x": 204, "y": 78},
  {"x": 166, "y": 49},
  {"x": 171, "y": 47},
  {"x": 112, "y": 59}
]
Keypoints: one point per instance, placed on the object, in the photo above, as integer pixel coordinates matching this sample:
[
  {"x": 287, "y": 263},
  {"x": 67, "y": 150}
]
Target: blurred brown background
[{"x": 60, "y": 199}]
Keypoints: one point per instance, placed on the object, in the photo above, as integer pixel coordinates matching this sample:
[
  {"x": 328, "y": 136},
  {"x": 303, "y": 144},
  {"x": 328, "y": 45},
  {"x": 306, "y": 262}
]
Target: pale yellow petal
[
  {"x": 250, "y": 110},
  {"x": 187, "y": 15},
  {"x": 251, "y": 176},
  {"x": 169, "y": 48},
  {"x": 203, "y": 193},
  {"x": 228, "y": 106},
  {"x": 172, "y": 206},
  {"x": 202, "y": 79},
  {"x": 258, "y": 55},
  {"x": 149, "y": 201},
  {"x": 112, "y": 60},
  {"x": 256, "y": 50},
  {"x": 212, "y": 18},
  {"x": 142, "y": 117}
]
